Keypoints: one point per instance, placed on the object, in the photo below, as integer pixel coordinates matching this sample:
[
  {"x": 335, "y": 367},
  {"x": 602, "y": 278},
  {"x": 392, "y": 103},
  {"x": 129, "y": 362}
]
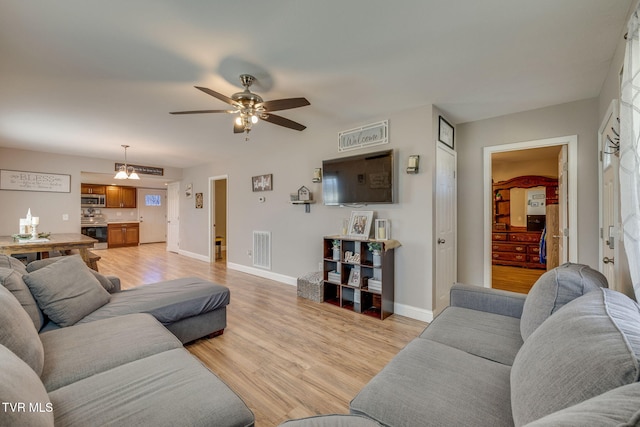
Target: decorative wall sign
[
  {"x": 34, "y": 181},
  {"x": 188, "y": 191},
  {"x": 147, "y": 170},
  {"x": 262, "y": 182},
  {"x": 445, "y": 132},
  {"x": 199, "y": 200},
  {"x": 365, "y": 136}
]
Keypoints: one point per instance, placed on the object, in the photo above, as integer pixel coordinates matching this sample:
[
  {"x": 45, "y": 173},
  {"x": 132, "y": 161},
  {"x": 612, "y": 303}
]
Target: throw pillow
[
  {"x": 590, "y": 346},
  {"x": 554, "y": 289},
  {"x": 19, "y": 385},
  {"x": 12, "y": 280},
  {"x": 41, "y": 263},
  {"x": 17, "y": 332},
  {"x": 66, "y": 291}
]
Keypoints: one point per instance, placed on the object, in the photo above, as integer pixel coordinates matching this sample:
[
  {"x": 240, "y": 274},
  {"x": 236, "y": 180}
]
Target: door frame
[
  {"x": 173, "y": 198},
  {"x": 571, "y": 141},
  {"x": 212, "y": 210}
]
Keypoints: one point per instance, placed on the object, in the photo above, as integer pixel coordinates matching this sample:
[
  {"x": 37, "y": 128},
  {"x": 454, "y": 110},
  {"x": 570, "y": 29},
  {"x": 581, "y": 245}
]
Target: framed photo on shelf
[
  {"x": 360, "y": 224},
  {"x": 445, "y": 132}
]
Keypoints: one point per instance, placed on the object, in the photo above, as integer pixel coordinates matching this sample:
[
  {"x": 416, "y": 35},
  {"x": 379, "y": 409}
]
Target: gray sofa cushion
[
  {"x": 619, "y": 407},
  {"x": 491, "y": 336},
  {"x": 172, "y": 385},
  {"x": 7, "y": 261},
  {"x": 168, "y": 301},
  {"x": 17, "y": 332},
  {"x": 113, "y": 341},
  {"x": 12, "y": 280},
  {"x": 20, "y": 385},
  {"x": 432, "y": 384},
  {"x": 66, "y": 291},
  {"x": 554, "y": 289},
  {"x": 331, "y": 420},
  {"x": 106, "y": 283},
  {"x": 590, "y": 346}
]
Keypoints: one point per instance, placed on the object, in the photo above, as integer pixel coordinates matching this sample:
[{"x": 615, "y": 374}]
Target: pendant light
[{"x": 125, "y": 171}]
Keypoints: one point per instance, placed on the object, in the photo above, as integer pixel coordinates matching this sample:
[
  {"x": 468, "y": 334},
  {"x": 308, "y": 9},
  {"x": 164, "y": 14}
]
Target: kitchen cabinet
[
  {"x": 123, "y": 234},
  {"x": 92, "y": 189},
  {"x": 120, "y": 197}
]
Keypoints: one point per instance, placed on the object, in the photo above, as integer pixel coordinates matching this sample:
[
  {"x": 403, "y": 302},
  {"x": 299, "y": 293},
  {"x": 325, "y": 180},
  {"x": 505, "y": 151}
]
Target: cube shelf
[{"x": 346, "y": 275}]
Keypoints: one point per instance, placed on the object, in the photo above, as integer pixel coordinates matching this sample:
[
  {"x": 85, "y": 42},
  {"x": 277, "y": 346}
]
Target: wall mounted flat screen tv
[{"x": 359, "y": 180}]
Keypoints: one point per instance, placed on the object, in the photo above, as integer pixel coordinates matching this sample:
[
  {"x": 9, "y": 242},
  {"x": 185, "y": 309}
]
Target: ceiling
[{"x": 83, "y": 77}]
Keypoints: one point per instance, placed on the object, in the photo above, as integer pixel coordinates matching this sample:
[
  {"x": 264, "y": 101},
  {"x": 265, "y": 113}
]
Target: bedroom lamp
[{"x": 125, "y": 171}]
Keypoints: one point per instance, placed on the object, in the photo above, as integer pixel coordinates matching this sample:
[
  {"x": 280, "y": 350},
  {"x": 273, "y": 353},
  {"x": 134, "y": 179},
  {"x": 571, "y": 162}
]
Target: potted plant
[
  {"x": 375, "y": 248},
  {"x": 335, "y": 244}
]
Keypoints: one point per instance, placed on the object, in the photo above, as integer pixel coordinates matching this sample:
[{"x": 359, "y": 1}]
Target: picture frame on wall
[
  {"x": 446, "y": 132},
  {"x": 360, "y": 224},
  {"x": 262, "y": 182}
]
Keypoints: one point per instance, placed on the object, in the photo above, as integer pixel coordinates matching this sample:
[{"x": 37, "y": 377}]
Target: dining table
[{"x": 54, "y": 242}]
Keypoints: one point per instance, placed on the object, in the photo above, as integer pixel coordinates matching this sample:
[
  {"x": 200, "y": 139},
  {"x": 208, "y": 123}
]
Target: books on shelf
[
  {"x": 333, "y": 276},
  {"x": 375, "y": 285}
]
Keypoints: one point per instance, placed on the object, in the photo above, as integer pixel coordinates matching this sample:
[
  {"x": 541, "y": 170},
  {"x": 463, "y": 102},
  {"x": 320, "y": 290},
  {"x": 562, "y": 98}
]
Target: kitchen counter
[{"x": 122, "y": 221}]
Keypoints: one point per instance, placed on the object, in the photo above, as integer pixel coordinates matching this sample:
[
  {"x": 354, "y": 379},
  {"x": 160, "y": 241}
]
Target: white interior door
[
  {"x": 173, "y": 217},
  {"x": 152, "y": 213},
  {"x": 445, "y": 231}
]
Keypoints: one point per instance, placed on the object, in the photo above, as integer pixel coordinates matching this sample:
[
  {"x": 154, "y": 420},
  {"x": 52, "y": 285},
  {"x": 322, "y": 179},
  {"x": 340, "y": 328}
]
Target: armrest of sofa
[
  {"x": 486, "y": 299},
  {"x": 115, "y": 280}
]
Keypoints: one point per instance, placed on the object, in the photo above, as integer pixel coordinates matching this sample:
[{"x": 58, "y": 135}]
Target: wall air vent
[{"x": 262, "y": 249}]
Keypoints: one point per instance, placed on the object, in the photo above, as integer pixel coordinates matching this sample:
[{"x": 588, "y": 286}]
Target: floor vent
[{"x": 262, "y": 249}]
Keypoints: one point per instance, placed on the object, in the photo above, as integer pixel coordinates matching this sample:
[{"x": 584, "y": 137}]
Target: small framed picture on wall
[{"x": 445, "y": 132}]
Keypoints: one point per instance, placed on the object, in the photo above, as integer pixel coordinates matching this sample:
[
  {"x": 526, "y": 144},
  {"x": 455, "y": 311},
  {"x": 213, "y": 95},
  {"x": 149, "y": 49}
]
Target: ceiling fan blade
[
  {"x": 237, "y": 128},
  {"x": 284, "y": 104},
  {"x": 220, "y": 96},
  {"x": 203, "y": 111},
  {"x": 281, "y": 121}
]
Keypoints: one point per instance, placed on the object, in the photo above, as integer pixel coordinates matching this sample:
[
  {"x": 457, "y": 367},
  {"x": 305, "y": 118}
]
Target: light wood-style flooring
[
  {"x": 514, "y": 279},
  {"x": 286, "y": 356}
]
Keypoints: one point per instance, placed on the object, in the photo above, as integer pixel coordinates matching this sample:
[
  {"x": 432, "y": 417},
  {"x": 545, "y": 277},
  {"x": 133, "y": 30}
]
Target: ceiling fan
[{"x": 250, "y": 107}]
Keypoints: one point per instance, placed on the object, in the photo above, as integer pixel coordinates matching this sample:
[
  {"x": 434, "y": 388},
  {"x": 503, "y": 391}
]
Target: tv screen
[{"x": 359, "y": 180}]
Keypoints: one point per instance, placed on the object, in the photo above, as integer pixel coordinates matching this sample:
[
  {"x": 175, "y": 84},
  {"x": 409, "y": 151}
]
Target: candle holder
[{"x": 383, "y": 229}]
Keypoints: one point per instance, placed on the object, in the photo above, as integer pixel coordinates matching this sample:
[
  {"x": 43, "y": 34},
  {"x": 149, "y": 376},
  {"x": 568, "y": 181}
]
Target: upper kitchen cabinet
[
  {"x": 92, "y": 189},
  {"x": 120, "y": 197}
]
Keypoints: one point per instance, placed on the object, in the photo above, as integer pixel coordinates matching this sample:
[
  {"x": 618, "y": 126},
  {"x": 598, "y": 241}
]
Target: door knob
[
  {"x": 607, "y": 260},
  {"x": 441, "y": 241}
]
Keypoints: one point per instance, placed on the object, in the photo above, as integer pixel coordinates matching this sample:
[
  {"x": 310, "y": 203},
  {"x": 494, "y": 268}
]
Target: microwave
[{"x": 92, "y": 200}]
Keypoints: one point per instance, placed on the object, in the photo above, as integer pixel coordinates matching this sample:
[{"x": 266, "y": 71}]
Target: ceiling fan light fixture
[
  {"x": 254, "y": 119},
  {"x": 239, "y": 121}
]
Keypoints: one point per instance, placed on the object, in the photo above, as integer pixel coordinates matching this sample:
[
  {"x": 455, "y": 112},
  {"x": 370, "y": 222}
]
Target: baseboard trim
[
  {"x": 287, "y": 280},
  {"x": 193, "y": 255},
  {"x": 413, "y": 312}
]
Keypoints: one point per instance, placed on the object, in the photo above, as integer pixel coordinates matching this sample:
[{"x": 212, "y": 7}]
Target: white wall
[
  {"x": 297, "y": 236},
  {"x": 575, "y": 118}
]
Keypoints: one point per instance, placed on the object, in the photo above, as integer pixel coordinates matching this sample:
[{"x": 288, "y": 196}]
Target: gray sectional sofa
[
  {"x": 567, "y": 354},
  {"x": 72, "y": 353}
]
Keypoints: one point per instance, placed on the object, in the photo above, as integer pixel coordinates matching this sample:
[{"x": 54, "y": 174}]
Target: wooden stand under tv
[{"x": 378, "y": 304}]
